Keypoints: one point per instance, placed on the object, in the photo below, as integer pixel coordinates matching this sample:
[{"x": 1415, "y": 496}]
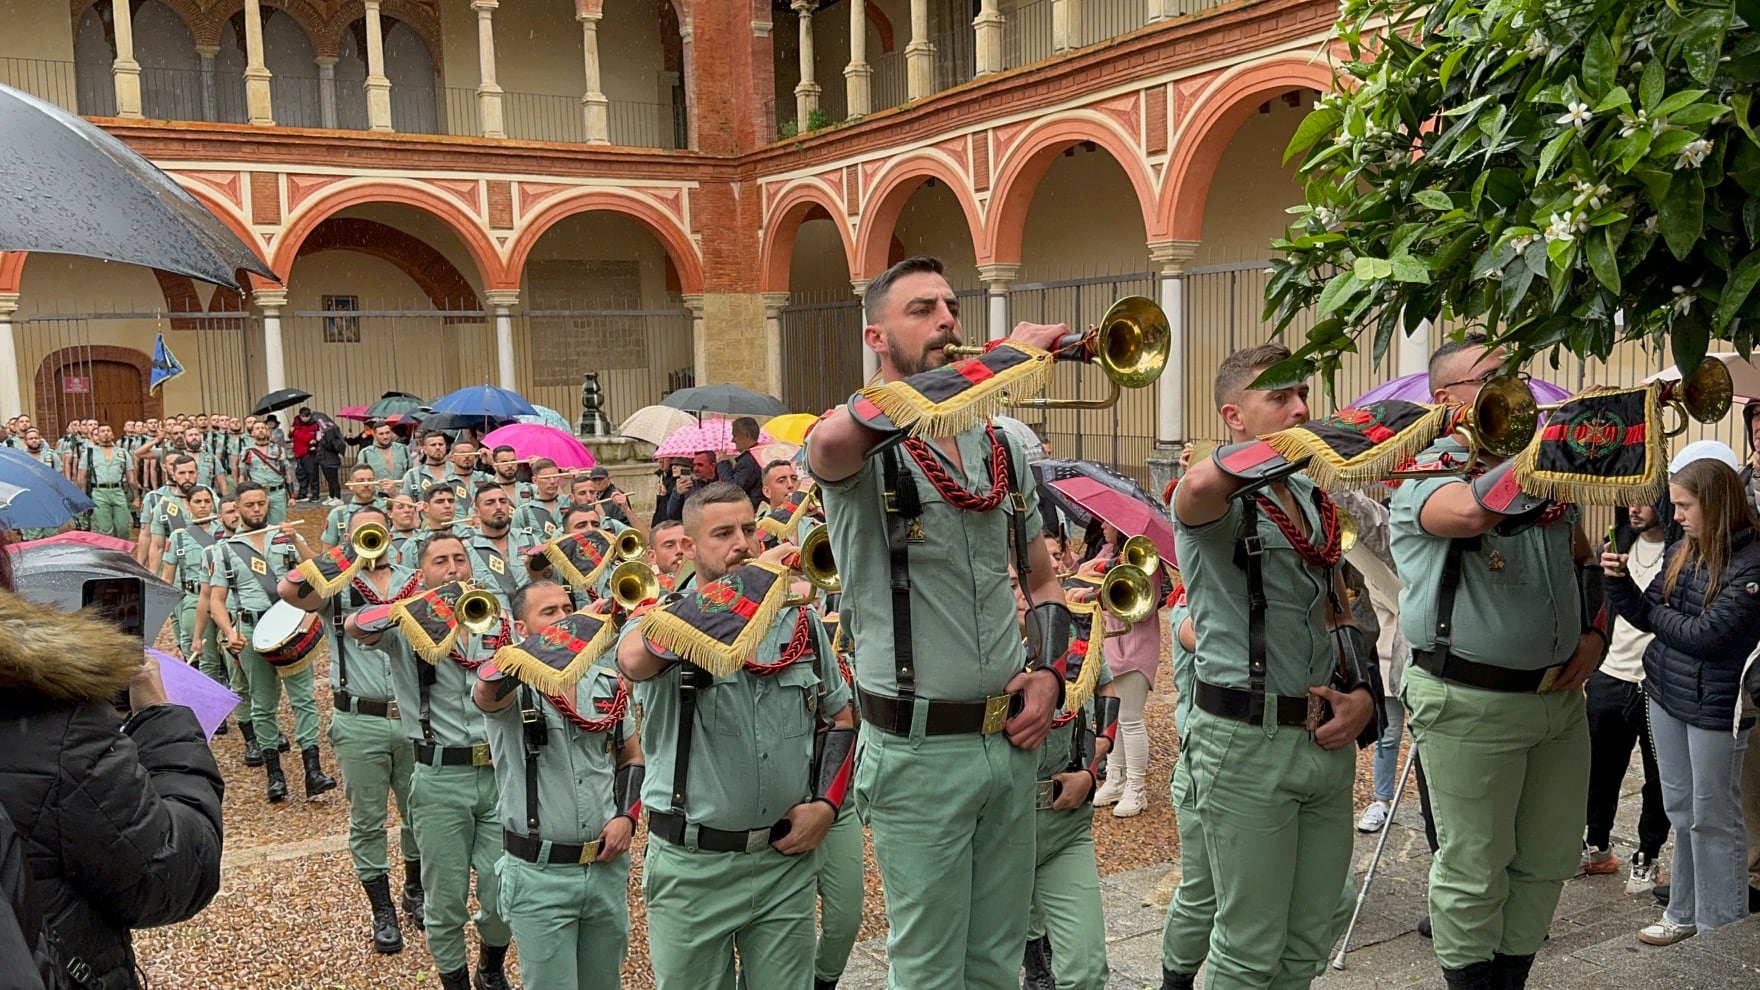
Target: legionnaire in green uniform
[
  {"x": 452, "y": 792},
  {"x": 950, "y": 712},
  {"x": 264, "y": 464},
  {"x": 367, "y": 735},
  {"x": 504, "y": 465},
  {"x": 221, "y": 665},
  {"x": 209, "y": 473},
  {"x": 388, "y": 459},
  {"x": 241, "y": 589},
  {"x": 362, "y": 492},
  {"x": 1270, "y": 769},
  {"x": 569, "y": 769},
  {"x": 438, "y": 510},
  {"x": 435, "y": 469},
  {"x": 171, "y": 511},
  {"x": 1185, "y": 937},
  {"x": 405, "y": 527},
  {"x": 32, "y": 445},
  {"x": 498, "y": 552},
  {"x": 541, "y": 512},
  {"x": 182, "y": 566},
  {"x": 1501, "y": 648},
  {"x": 106, "y": 473},
  {"x": 736, "y": 802}
]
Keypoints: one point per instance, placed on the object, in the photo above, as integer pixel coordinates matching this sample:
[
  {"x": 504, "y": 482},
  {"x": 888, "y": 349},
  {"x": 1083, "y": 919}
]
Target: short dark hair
[
  {"x": 431, "y": 434},
  {"x": 713, "y": 493},
  {"x": 1449, "y": 349},
  {"x": 503, "y": 449},
  {"x": 1238, "y": 370},
  {"x": 245, "y": 487},
  {"x": 484, "y": 489},
  {"x": 358, "y": 468},
  {"x": 542, "y": 464},
  {"x": 773, "y": 465},
  {"x": 880, "y": 286},
  {"x": 571, "y": 511},
  {"x": 431, "y": 542},
  {"x": 745, "y": 426},
  {"x": 664, "y": 524},
  {"x": 440, "y": 490},
  {"x": 517, "y": 604},
  {"x": 368, "y": 510}
]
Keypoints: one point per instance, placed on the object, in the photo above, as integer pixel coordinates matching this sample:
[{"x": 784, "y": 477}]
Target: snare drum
[{"x": 284, "y": 635}]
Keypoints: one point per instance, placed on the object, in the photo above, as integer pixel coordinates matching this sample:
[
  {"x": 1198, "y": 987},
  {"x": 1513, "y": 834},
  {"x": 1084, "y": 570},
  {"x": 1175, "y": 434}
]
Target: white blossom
[
  {"x": 1577, "y": 114},
  {"x": 1536, "y": 44},
  {"x": 1693, "y": 155},
  {"x": 1630, "y": 125},
  {"x": 1683, "y": 300},
  {"x": 1560, "y": 227},
  {"x": 1651, "y": 224}
]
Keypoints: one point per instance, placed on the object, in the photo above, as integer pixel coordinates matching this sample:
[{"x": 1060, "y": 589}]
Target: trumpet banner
[
  {"x": 719, "y": 625},
  {"x": 554, "y": 659},
  {"x": 781, "y": 522},
  {"x": 1085, "y": 654},
  {"x": 580, "y": 558},
  {"x": 330, "y": 571},
  {"x": 429, "y": 621},
  {"x": 947, "y": 401},
  {"x": 1359, "y": 446},
  {"x": 1603, "y": 446}
]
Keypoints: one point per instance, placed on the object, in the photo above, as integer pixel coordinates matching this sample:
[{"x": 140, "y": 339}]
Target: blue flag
[{"x": 165, "y": 365}]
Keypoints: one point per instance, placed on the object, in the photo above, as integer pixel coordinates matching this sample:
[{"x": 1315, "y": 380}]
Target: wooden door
[{"x": 118, "y": 394}]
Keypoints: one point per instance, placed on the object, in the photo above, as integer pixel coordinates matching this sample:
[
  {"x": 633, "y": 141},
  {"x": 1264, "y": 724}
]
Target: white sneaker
[
  {"x": 1110, "y": 791},
  {"x": 1646, "y": 874},
  {"x": 1133, "y": 802},
  {"x": 1666, "y": 932},
  {"x": 1374, "y": 817}
]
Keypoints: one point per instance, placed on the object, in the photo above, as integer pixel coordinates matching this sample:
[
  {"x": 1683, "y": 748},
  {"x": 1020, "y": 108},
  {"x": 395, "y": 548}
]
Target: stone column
[
  {"x": 988, "y": 27},
  {"x": 11, "y": 394},
  {"x": 594, "y": 104},
  {"x": 256, "y": 73},
  {"x": 125, "y": 72},
  {"x": 270, "y": 302},
  {"x": 1066, "y": 25},
  {"x": 919, "y": 55},
  {"x": 856, "y": 74},
  {"x": 997, "y": 278},
  {"x": 210, "y": 97},
  {"x": 693, "y": 301},
  {"x": 502, "y": 301},
  {"x": 1172, "y": 257},
  {"x": 378, "y": 84},
  {"x": 806, "y": 92},
  {"x": 773, "y": 303},
  {"x": 870, "y": 360},
  {"x": 489, "y": 117},
  {"x": 327, "y": 90}
]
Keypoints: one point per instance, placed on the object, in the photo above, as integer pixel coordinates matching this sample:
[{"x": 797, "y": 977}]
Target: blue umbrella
[
  {"x": 35, "y": 496},
  {"x": 483, "y": 400},
  {"x": 547, "y": 416}
]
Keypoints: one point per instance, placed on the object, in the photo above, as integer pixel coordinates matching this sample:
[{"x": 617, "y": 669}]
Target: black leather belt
[
  {"x": 1245, "y": 706},
  {"x": 672, "y": 828},
  {"x": 192, "y": 587},
  {"x": 106, "y": 486},
  {"x": 945, "y": 718},
  {"x": 530, "y": 848},
  {"x": 431, "y": 755},
  {"x": 346, "y": 702},
  {"x": 1484, "y": 675}
]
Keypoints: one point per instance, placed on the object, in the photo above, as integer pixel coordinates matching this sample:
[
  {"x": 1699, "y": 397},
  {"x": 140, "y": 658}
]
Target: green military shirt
[
  {"x": 186, "y": 550},
  {"x": 454, "y": 719},
  {"x": 169, "y": 513},
  {"x": 337, "y": 520},
  {"x": 363, "y": 671},
  {"x": 1298, "y": 647},
  {"x": 494, "y": 571},
  {"x": 542, "y": 518},
  {"x": 106, "y": 467},
  {"x": 752, "y": 747},
  {"x": 207, "y": 467},
  {"x": 388, "y": 463},
  {"x": 964, "y": 628},
  {"x": 576, "y": 768},
  {"x": 1517, "y": 603},
  {"x": 243, "y": 571},
  {"x": 45, "y": 455},
  {"x": 1184, "y": 676},
  {"x": 417, "y": 481},
  {"x": 404, "y": 547},
  {"x": 264, "y": 464}
]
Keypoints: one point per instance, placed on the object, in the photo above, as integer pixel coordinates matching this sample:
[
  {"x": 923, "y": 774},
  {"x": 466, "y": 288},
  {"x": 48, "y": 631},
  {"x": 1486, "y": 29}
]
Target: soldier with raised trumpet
[
  {"x": 366, "y": 732},
  {"x": 436, "y": 641},
  {"x": 569, "y": 769}
]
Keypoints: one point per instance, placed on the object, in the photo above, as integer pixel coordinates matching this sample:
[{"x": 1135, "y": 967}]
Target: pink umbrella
[
  {"x": 711, "y": 434},
  {"x": 356, "y": 413},
  {"x": 1128, "y": 514},
  {"x": 537, "y": 440}
]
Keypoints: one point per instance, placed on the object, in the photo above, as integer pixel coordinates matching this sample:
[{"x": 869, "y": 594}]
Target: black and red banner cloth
[
  {"x": 720, "y": 625},
  {"x": 331, "y": 571},
  {"x": 783, "y": 521},
  {"x": 429, "y": 621},
  {"x": 579, "y": 558},
  {"x": 947, "y": 401},
  {"x": 1357, "y": 446},
  {"x": 554, "y": 659},
  {"x": 1602, "y": 446}
]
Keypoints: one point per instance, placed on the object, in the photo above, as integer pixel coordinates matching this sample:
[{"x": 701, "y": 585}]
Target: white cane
[{"x": 1363, "y": 893}]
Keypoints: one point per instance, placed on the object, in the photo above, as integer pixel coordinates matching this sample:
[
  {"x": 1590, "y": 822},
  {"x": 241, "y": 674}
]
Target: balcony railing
[{"x": 54, "y": 82}]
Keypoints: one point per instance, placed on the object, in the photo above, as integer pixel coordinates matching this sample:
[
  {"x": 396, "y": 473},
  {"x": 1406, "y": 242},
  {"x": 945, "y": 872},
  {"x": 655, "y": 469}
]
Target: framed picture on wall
[{"x": 342, "y": 329}]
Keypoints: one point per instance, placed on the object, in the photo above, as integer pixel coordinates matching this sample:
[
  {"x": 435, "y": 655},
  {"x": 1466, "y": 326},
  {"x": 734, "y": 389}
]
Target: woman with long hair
[{"x": 1704, "y": 611}]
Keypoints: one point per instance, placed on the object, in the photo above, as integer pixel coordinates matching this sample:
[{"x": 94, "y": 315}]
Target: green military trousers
[
  {"x": 222, "y": 667},
  {"x": 376, "y": 759},
  {"x": 183, "y": 624},
  {"x": 702, "y": 906},
  {"x": 840, "y": 893},
  {"x": 1066, "y": 897},
  {"x": 1509, "y": 778},
  {"x": 277, "y": 506},
  {"x": 571, "y": 921},
  {"x": 110, "y": 513},
  {"x": 1276, "y": 811},
  {"x": 1185, "y": 939},
  {"x": 266, "y": 686},
  {"x": 952, "y": 822},
  {"x": 457, "y": 830}
]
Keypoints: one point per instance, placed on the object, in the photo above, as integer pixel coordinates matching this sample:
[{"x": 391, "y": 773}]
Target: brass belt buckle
[
  {"x": 757, "y": 840},
  {"x": 1547, "y": 680},
  {"x": 1047, "y": 793},
  {"x": 391, "y": 710},
  {"x": 480, "y": 755},
  {"x": 995, "y": 714},
  {"x": 589, "y": 853}
]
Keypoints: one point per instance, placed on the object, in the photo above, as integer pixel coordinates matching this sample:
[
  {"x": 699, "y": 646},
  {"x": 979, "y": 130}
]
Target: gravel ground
[{"x": 290, "y": 914}]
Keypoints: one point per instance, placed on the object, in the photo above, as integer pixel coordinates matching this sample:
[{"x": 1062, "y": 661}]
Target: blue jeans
[
  {"x": 1387, "y": 749},
  {"x": 1701, "y": 788}
]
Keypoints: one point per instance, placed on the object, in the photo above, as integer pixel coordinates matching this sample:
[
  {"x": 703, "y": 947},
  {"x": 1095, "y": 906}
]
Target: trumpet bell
[
  {"x": 1140, "y": 552},
  {"x": 1133, "y": 342},
  {"x": 1707, "y": 395},
  {"x": 629, "y": 545},
  {"x": 478, "y": 611},
  {"x": 817, "y": 564},
  {"x": 632, "y": 583},
  {"x": 371, "y": 541},
  {"x": 1504, "y": 417},
  {"x": 1347, "y": 530},
  {"x": 1126, "y": 593}
]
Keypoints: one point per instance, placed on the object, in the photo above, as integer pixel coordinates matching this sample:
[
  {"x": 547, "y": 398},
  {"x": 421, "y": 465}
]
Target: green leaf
[
  {"x": 1688, "y": 339},
  {"x": 1677, "y": 101},
  {"x": 1598, "y": 65},
  {"x": 1449, "y": 64},
  {"x": 1681, "y": 216},
  {"x": 1741, "y": 104},
  {"x": 1554, "y": 148},
  {"x": 1372, "y": 269},
  {"x": 1697, "y": 113},
  {"x": 1598, "y": 245},
  {"x": 1653, "y": 85},
  {"x": 1343, "y": 286},
  {"x": 1736, "y": 289},
  {"x": 1436, "y": 199},
  {"x": 1616, "y": 98},
  {"x": 1314, "y": 126},
  {"x": 1409, "y": 269}
]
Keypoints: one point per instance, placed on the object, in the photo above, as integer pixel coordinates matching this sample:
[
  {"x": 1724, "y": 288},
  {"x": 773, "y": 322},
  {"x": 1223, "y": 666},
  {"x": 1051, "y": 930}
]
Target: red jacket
[{"x": 303, "y": 435}]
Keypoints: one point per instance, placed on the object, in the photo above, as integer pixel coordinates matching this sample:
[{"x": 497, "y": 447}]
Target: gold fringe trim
[
  {"x": 517, "y": 662},
  {"x": 785, "y": 531},
  {"x": 1332, "y": 472},
  {"x": 910, "y": 410},
  {"x": 1590, "y": 489},
  {"x": 666, "y": 630},
  {"x": 1078, "y": 694},
  {"x": 327, "y": 588},
  {"x": 570, "y": 573},
  {"x": 424, "y": 645}
]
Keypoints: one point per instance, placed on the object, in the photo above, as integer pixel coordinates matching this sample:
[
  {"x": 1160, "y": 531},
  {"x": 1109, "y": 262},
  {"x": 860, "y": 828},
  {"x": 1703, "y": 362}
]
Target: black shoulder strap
[
  {"x": 532, "y": 731},
  {"x": 265, "y": 580},
  {"x": 351, "y": 598},
  {"x": 1249, "y": 548},
  {"x": 902, "y": 509},
  {"x": 1451, "y": 583},
  {"x": 688, "y": 687},
  {"x": 427, "y": 675}
]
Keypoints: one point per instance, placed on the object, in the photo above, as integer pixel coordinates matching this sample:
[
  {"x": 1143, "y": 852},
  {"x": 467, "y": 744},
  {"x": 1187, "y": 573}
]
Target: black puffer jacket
[
  {"x": 121, "y": 828},
  {"x": 1693, "y": 668}
]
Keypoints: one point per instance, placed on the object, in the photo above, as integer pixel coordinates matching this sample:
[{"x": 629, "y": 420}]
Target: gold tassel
[
  {"x": 1330, "y": 471},
  {"x": 668, "y": 631},
  {"x": 423, "y": 644},
  {"x": 911, "y": 410},
  {"x": 520, "y": 664},
  {"x": 327, "y": 588},
  {"x": 1077, "y": 694}
]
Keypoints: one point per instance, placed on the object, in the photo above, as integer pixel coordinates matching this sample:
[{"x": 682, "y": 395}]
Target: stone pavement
[{"x": 1592, "y": 946}]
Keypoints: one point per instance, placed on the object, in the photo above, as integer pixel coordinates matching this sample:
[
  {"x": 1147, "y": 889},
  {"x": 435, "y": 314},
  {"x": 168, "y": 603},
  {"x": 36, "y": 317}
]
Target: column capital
[
  {"x": 212, "y": 51},
  {"x": 760, "y": 29},
  {"x": 589, "y": 9},
  {"x": 501, "y": 298},
  {"x": 693, "y": 301},
  {"x": 998, "y": 275},
  {"x": 324, "y": 61},
  {"x": 269, "y": 298},
  {"x": 809, "y": 88},
  {"x": 859, "y": 286},
  {"x": 590, "y": 17},
  {"x": 1172, "y": 256},
  {"x": 804, "y": 7},
  {"x": 483, "y": 7},
  {"x": 773, "y": 303},
  {"x": 8, "y": 303},
  {"x": 372, "y": 5}
]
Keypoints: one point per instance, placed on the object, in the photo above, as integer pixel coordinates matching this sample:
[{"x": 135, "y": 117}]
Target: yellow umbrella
[{"x": 790, "y": 428}]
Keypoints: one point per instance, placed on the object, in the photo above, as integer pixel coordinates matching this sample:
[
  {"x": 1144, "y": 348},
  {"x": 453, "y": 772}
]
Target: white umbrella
[
  {"x": 1742, "y": 373},
  {"x": 655, "y": 423}
]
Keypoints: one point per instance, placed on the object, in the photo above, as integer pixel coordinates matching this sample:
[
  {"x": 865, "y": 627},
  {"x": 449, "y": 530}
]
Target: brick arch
[
  {"x": 1211, "y": 125},
  {"x": 201, "y": 24},
  {"x": 892, "y": 189},
  {"x": 418, "y": 16},
  {"x": 334, "y": 199},
  {"x": 1019, "y": 175},
  {"x": 437, "y": 277},
  {"x": 12, "y": 270},
  {"x": 228, "y": 213},
  {"x": 681, "y": 250},
  {"x": 308, "y": 14},
  {"x": 48, "y": 417},
  {"x": 801, "y": 202},
  {"x": 882, "y": 26}
]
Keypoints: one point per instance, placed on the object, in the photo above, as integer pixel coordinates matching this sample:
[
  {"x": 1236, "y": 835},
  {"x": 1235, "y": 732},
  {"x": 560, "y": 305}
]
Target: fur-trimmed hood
[{"x": 64, "y": 656}]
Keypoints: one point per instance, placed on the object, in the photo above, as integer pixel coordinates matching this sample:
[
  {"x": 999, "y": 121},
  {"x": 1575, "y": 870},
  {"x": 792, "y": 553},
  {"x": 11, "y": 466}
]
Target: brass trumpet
[
  {"x": 628, "y": 545},
  {"x": 1140, "y": 552},
  {"x": 1130, "y": 344},
  {"x": 1128, "y": 595},
  {"x": 1501, "y": 421},
  {"x": 1706, "y": 396},
  {"x": 477, "y": 610},
  {"x": 371, "y": 541},
  {"x": 632, "y": 583},
  {"x": 817, "y": 564}
]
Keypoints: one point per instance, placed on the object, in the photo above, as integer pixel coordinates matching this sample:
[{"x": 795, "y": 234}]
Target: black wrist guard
[
  {"x": 1357, "y": 668},
  {"x": 1106, "y": 716},
  {"x": 834, "y": 766},
  {"x": 1497, "y": 491},
  {"x": 1048, "y": 627},
  {"x": 1083, "y": 752},
  {"x": 626, "y": 790}
]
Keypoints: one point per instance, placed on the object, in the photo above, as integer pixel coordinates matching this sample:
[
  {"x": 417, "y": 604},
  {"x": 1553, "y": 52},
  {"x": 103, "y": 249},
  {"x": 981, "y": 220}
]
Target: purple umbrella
[
  {"x": 186, "y": 686},
  {"x": 1415, "y": 387}
]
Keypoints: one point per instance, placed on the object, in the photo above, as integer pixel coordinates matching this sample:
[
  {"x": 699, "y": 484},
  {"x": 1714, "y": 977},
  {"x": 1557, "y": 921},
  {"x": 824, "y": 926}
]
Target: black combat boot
[
  {"x": 253, "y": 754},
  {"x": 490, "y": 975},
  {"x": 820, "y": 983},
  {"x": 460, "y": 980},
  {"x": 283, "y": 746},
  {"x": 1036, "y": 965},
  {"x": 221, "y": 729},
  {"x": 317, "y": 782},
  {"x": 277, "y": 782},
  {"x": 1510, "y": 972},
  {"x": 414, "y": 899},
  {"x": 1474, "y": 977},
  {"x": 1176, "y": 981},
  {"x": 387, "y": 937}
]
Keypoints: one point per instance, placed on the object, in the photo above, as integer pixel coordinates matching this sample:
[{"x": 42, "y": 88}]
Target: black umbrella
[
  {"x": 725, "y": 398},
  {"x": 58, "y": 571},
  {"x": 393, "y": 404},
  {"x": 281, "y": 398},
  {"x": 73, "y": 189}
]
